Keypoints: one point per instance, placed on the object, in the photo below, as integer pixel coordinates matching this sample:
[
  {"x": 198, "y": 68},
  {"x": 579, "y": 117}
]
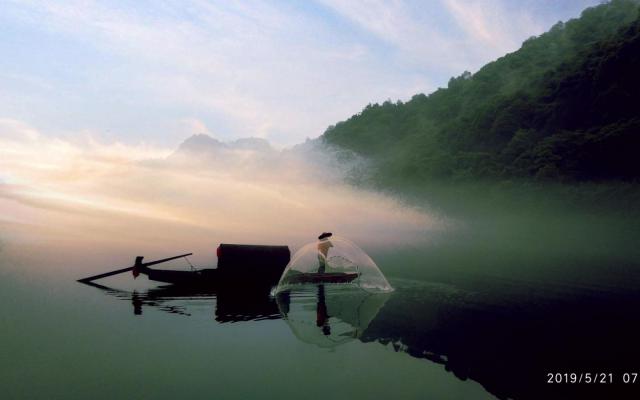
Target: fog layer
[{"x": 63, "y": 194}]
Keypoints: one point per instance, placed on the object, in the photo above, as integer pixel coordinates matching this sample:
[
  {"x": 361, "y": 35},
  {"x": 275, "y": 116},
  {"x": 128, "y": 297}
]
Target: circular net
[{"x": 334, "y": 260}]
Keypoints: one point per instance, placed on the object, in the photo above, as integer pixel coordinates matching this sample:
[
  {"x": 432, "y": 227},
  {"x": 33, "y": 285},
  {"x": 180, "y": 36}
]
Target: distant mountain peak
[
  {"x": 200, "y": 142},
  {"x": 203, "y": 145}
]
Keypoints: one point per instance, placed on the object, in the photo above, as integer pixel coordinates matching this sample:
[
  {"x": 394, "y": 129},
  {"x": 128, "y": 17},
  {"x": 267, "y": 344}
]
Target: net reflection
[{"x": 328, "y": 316}]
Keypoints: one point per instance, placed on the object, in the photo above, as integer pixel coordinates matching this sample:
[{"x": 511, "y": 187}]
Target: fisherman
[{"x": 324, "y": 244}]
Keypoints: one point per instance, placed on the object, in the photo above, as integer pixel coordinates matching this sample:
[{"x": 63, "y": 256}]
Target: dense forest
[{"x": 565, "y": 107}]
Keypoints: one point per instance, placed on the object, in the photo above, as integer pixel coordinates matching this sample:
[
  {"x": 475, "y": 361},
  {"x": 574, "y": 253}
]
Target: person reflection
[
  {"x": 322, "y": 316},
  {"x": 137, "y": 303},
  {"x": 324, "y": 244}
]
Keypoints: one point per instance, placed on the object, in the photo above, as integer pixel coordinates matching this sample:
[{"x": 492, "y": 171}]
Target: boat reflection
[{"x": 229, "y": 305}]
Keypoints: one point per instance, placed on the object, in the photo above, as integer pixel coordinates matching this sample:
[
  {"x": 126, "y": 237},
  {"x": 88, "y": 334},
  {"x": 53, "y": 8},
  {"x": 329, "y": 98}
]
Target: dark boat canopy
[{"x": 253, "y": 262}]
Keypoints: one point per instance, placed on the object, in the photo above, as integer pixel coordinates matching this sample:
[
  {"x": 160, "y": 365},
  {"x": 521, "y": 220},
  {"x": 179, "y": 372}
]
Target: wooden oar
[
  {"x": 138, "y": 264},
  {"x": 164, "y": 260},
  {"x": 116, "y": 272}
]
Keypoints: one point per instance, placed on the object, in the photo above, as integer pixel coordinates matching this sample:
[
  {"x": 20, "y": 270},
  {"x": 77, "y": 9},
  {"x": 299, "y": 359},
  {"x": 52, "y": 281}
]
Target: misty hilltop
[
  {"x": 312, "y": 160},
  {"x": 564, "y": 107},
  {"x": 203, "y": 144}
]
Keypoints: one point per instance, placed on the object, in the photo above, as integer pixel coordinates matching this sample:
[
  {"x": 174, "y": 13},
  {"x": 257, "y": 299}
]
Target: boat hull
[{"x": 332, "y": 277}]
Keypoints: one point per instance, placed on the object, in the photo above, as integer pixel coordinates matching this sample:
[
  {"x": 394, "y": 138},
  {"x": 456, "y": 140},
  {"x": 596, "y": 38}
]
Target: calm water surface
[{"x": 483, "y": 312}]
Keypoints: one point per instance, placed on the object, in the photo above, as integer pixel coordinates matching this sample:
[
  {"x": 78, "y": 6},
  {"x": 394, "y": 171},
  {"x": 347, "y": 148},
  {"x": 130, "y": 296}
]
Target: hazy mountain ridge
[
  {"x": 564, "y": 107},
  {"x": 252, "y": 157},
  {"x": 205, "y": 144}
]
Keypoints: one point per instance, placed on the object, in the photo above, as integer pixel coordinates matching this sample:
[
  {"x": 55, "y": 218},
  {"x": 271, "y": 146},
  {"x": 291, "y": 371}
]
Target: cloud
[
  {"x": 449, "y": 35},
  {"x": 491, "y": 27},
  {"x": 258, "y": 67},
  {"x": 26, "y": 154},
  {"x": 397, "y": 23},
  {"x": 194, "y": 126},
  {"x": 12, "y": 129},
  {"x": 283, "y": 71}
]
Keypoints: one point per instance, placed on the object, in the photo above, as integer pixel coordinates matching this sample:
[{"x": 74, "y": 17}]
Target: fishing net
[{"x": 333, "y": 261}]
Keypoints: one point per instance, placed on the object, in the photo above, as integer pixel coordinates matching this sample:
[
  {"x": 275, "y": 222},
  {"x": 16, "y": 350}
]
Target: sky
[
  {"x": 148, "y": 74},
  {"x": 96, "y": 96}
]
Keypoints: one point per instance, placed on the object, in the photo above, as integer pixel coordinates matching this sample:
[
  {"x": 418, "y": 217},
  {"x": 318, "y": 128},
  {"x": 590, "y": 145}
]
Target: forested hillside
[{"x": 564, "y": 107}]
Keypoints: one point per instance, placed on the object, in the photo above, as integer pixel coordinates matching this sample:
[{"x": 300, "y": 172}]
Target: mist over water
[
  {"x": 108, "y": 203},
  {"x": 116, "y": 201}
]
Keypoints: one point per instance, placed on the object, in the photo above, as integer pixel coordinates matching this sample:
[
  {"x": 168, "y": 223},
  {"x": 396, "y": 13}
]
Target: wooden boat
[
  {"x": 196, "y": 277},
  {"x": 249, "y": 264}
]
